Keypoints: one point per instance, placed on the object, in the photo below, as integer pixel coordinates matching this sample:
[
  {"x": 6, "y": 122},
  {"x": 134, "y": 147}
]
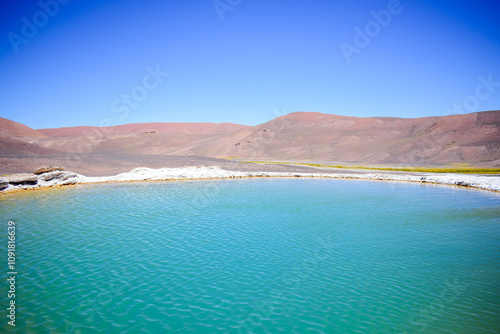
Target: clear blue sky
[{"x": 89, "y": 62}]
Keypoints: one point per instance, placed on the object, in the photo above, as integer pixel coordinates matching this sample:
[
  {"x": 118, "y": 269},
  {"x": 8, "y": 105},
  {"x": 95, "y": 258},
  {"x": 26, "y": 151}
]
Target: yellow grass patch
[{"x": 456, "y": 168}]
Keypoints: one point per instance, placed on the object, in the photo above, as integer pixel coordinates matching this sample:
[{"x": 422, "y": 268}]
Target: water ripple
[{"x": 263, "y": 256}]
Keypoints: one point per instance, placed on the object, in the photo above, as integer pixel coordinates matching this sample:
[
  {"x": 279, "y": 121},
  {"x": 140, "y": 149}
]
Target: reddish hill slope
[
  {"x": 17, "y": 139},
  {"x": 14, "y": 130},
  {"x": 303, "y": 136},
  {"x": 138, "y": 128},
  {"x": 137, "y": 139},
  {"x": 470, "y": 138},
  {"x": 13, "y": 147}
]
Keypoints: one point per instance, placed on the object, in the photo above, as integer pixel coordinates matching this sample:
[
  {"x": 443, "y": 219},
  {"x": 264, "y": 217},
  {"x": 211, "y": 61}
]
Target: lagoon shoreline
[{"x": 56, "y": 178}]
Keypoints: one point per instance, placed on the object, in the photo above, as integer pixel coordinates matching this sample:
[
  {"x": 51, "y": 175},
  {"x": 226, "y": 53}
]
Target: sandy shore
[{"x": 58, "y": 178}]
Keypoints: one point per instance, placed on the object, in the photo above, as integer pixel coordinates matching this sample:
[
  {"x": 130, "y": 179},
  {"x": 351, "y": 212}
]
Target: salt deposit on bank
[{"x": 56, "y": 176}]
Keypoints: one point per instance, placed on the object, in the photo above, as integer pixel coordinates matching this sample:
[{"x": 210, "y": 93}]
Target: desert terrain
[{"x": 468, "y": 139}]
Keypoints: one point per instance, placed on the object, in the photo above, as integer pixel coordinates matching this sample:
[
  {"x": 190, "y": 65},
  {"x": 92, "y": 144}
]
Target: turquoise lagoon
[{"x": 254, "y": 256}]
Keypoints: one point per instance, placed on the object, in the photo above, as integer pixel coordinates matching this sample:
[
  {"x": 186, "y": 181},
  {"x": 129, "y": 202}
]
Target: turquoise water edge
[{"x": 254, "y": 256}]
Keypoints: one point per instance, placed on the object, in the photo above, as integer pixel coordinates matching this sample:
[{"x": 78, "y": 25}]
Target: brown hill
[
  {"x": 13, "y": 147},
  {"x": 17, "y": 139},
  {"x": 470, "y": 138},
  {"x": 302, "y": 136},
  {"x": 138, "y": 128},
  {"x": 14, "y": 130},
  {"x": 136, "y": 139}
]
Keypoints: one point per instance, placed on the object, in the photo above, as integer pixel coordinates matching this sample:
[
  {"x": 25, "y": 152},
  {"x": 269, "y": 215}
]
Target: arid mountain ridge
[{"x": 302, "y": 136}]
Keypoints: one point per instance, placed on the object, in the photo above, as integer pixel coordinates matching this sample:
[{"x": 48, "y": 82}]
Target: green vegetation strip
[{"x": 460, "y": 170}]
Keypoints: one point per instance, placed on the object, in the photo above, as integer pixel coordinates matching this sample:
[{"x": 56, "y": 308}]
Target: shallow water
[{"x": 255, "y": 255}]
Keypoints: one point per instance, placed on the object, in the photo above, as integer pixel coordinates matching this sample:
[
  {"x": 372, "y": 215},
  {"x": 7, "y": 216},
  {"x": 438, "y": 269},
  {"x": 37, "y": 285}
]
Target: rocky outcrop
[
  {"x": 46, "y": 169},
  {"x": 22, "y": 179},
  {"x": 67, "y": 178},
  {"x": 51, "y": 176}
]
